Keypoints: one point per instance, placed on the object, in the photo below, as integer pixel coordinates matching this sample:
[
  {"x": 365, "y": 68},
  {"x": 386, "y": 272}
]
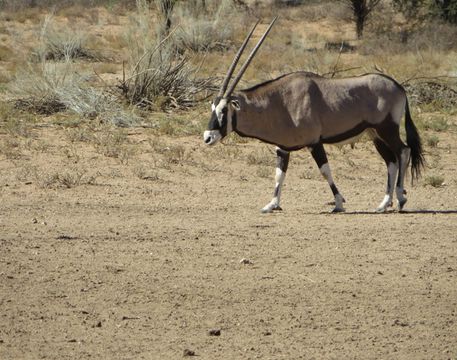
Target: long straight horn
[
  {"x": 249, "y": 59},
  {"x": 235, "y": 61}
]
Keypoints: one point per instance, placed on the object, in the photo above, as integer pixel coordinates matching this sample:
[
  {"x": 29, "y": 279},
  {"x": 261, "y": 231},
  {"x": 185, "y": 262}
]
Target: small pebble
[
  {"x": 215, "y": 332},
  {"x": 246, "y": 261},
  {"x": 188, "y": 352}
]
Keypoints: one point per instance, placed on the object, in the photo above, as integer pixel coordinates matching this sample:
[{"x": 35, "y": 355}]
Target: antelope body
[{"x": 303, "y": 109}]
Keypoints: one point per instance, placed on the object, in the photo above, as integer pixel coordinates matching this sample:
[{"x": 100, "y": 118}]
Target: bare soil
[{"x": 148, "y": 254}]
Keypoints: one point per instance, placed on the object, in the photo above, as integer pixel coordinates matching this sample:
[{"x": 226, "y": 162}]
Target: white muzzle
[{"x": 211, "y": 137}]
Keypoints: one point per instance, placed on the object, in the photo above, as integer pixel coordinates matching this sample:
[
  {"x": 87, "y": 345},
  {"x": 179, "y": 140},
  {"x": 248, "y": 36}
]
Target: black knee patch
[
  {"x": 282, "y": 160},
  {"x": 319, "y": 155}
]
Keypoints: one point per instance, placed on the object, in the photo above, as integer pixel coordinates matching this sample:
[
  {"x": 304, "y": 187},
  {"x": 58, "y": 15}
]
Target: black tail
[{"x": 415, "y": 144}]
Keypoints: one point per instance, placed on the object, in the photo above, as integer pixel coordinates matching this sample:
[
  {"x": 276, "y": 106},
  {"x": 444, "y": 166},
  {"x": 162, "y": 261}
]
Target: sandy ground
[{"x": 143, "y": 256}]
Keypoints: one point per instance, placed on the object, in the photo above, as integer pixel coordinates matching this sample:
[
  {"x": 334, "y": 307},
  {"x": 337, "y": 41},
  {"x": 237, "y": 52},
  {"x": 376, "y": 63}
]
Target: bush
[
  {"x": 203, "y": 35},
  {"x": 445, "y": 9},
  {"x": 159, "y": 76},
  {"x": 410, "y": 8},
  {"x": 18, "y": 5},
  {"x": 432, "y": 93},
  {"x": 47, "y": 88},
  {"x": 288, "y": 2},
  {"x": 162, "y": 78},
  {"x": 199, "y": 31},
  {"x": 60, "y": 44}
]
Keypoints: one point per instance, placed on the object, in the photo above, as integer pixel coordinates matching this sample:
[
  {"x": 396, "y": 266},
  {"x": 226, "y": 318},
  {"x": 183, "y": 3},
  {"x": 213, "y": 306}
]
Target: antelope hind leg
[
  {"x": 404, "y": 161},
  {"x": 320, "y": 157},
  {"x": 392, "y": 170}
]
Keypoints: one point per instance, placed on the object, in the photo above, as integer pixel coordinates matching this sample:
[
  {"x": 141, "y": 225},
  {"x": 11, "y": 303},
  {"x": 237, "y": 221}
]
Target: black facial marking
[{"x": 214, "y": 123}]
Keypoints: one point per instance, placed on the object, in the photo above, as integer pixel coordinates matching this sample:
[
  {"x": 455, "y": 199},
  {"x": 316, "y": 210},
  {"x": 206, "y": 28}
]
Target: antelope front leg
[{"x": 282, "y": 162}]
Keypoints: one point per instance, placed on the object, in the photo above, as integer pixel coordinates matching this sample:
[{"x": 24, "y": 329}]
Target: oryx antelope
[{"x": 302, "y": 109}]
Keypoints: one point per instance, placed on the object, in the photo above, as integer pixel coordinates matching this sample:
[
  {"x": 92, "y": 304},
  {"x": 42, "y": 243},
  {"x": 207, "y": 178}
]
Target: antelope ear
[{"x": 236, "y": 104}]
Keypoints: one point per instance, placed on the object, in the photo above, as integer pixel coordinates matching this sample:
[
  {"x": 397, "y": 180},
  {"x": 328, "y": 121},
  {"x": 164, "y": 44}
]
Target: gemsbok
[{"x": 303, "y": 109}]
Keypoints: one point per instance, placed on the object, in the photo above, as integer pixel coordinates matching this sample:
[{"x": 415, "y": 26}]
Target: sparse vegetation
[
  {"x": 437, "y": 123},
  {"x": 61, "y": 44},
  {"x": 201, "y": 31},
  {"x": 175, "y": 154},
  {"x": 264, "y": 172},
  {"x": 434, "y": 180},
  {"x": 10, "y": 148},
  {"x": 64, "y": 178},
  {"x": 155, "y": 70},
  {"x": 142, "y": 173},
  {"x": 110, "y": 142},
  {"x": 432, "y": 141},
  {"x": 158, "y": 76},
  {"x": 263, "y": 157}
]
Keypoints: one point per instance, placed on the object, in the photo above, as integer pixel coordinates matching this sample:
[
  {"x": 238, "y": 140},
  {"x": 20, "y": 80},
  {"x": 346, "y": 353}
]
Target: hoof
[
  {"x": 401, "y": 203},
  {"x": 338, "y": 210},
  {"x": 268, "y": 209},
  {"x": 382, "y": 208}
]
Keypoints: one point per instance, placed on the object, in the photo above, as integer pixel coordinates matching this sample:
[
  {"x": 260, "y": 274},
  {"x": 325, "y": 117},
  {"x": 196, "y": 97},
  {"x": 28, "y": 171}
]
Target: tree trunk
[{"x": 359, "y": 25}]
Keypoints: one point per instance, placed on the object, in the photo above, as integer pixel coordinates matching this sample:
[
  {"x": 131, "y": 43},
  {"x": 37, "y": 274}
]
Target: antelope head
[{"x": 225, "y": 106}]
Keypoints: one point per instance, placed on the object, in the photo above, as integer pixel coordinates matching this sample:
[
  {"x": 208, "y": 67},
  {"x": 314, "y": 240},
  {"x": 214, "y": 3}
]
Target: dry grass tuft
[
  {"x": 170, "y": 154},
  {"x": 63, "y": 179},
  {"x": 261, "y": 157},
  {"x": 79, "y": 134},
  {"x": 61, "y": 43},
  {"x": 206, "y": 31},
  {"x": 10, "y": 148},
  {"x": 162, "y": 78},
  {"x": 436, "y": 123},
  {"x": 175, "y": 154},
  {"x": 47, "y": 88},
  {"x": 159, "y": 76},
  {"x": 264, "y": 172},
  {"x": 111, "y": 142},
  {"x": 432, "y": 141},
  {"x": 6, "y": 54},
  {"x": 142, "y": 173},
  {"x": 67, "y": 178},
  {"x": 434, "y": 181},
  {"x": 15, "y": 123}
]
